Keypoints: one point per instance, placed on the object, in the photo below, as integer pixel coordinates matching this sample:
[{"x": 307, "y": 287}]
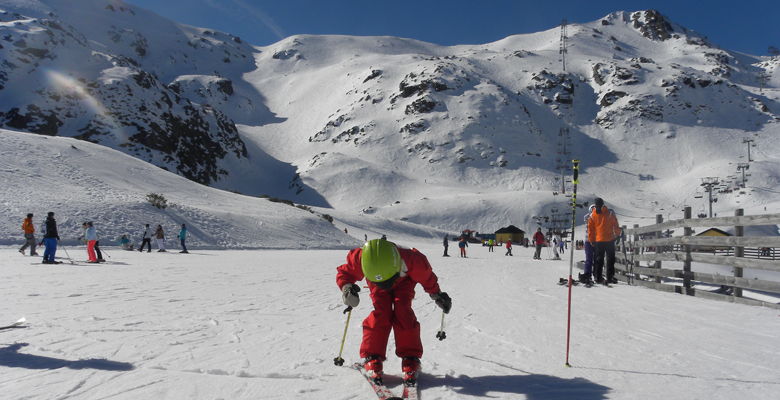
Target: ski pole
[
  {"x": 441, "y": 335},
  {"x": 575, "y": 181},
  {"x": 66, "y": 253},
  {"x": 338, "y": 360},
  {"x": 105, "y": 252}
]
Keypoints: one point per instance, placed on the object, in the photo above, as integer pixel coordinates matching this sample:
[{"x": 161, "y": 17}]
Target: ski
[
  {"x": 18, "y": 324},
  {"x": 382, "y": 392}
]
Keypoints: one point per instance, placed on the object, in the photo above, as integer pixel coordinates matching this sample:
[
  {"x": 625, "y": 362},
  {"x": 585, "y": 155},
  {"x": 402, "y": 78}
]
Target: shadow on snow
[
  {"x": 532, "y": 386},
  {"x": 10, "y": 357}
]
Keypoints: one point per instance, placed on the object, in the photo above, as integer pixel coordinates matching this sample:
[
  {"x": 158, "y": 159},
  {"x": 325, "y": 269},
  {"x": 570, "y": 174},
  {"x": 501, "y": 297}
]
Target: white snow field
[{"x": 266, "y": 324}]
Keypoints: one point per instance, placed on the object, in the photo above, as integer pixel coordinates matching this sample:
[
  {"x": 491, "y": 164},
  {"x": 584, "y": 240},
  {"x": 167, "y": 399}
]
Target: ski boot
[
  {"x": 410, "y": 367},
  {"x": 586, "y": 280},
  {"x": 373, "y": 367}
]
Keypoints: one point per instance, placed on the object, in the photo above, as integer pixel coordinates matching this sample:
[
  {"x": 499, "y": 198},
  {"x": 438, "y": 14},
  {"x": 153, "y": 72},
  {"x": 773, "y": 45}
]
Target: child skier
[
  {"x": 90, "y": 236},
  {"x": 462, "y": 244},
  {"x": 392, "y": 272}
]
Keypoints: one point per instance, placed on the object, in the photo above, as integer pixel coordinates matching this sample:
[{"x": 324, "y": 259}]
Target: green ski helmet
[{"x": 380, "y": 260}]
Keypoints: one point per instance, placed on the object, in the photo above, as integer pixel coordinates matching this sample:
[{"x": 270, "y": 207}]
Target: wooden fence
[{"x": 655, "y": 244}]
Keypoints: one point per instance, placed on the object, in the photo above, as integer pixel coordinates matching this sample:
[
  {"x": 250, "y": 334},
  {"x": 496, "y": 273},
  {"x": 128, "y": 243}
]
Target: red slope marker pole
[{"x": 575, "y": 181}]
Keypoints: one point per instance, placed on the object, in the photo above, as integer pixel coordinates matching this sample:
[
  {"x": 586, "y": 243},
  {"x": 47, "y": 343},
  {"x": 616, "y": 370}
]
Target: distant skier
[
  {"x": 491, "y": 243},
  {"x": 556, "y": 240},
  {"x": 561, "y": 244},
  {"x": 29, "y": 235},
  {"x": 159, "y": 235},
  {"x": 446, "y": 243},
  {"x": 391, "y": 272},
  {"x": 538, "y": 243},
  {"x": 125, "y": 243},
  {"x": 508, "y": 247},
  {"x": 603, "y": 229},
  {"x": 146, "y": 240},
  {"x": 50, "y": 238},
  {"x": 90, "y": 236},
  {"x": 462, "y": 244},
  {"x": 182, "y": 238}
]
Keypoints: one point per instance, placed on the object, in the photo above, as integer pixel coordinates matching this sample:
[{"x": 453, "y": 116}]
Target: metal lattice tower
[
  {"x": 563, "y": 156},
  {"x": 750, "y": 144},
  {"x": 708, "y": 183},
  {"x": 743, "y": 167},
  {"x": 562, "y": 51}
]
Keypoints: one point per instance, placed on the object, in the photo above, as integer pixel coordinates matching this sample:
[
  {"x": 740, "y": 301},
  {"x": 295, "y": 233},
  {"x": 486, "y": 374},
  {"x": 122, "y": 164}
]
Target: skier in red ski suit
[{"x": 391, "y": 272}]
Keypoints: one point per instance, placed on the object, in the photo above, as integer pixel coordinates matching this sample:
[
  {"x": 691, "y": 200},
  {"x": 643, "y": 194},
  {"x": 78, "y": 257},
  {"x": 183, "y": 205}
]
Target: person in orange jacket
[
  {"x": 603, "y": 230},
  {"x": 508, "y": 247},
  {"x": 29, "y": 235}
]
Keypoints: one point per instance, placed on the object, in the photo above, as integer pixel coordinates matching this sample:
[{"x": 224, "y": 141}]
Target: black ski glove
[
  {"x": 443, "y": 300},
  {"x": 349, "y": 294}
]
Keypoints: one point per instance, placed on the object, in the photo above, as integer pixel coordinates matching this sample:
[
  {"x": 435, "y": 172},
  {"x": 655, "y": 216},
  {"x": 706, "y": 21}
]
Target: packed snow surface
[{"x": 266, "y": 324}]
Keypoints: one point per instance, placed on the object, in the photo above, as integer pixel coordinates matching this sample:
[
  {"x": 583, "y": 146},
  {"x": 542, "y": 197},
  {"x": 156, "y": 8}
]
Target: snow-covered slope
[
  {"x": 448, "y": 137},
  {"x": 80, "y": 181},
  {"x": 265, "y": 324}
]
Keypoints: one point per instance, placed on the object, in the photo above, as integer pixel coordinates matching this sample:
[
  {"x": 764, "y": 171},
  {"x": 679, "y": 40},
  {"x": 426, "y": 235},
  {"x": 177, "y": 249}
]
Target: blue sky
[{"x": 749, "y": 26}]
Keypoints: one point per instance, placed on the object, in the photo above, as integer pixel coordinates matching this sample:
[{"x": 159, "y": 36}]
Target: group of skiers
[
  {"x": 553, "y": 240},
  {"x": 48, "y": 229},
  {"x": 159, "y": 237},
  {"x": 463, "y": 243},
  {"x": 539, "y": 241}
]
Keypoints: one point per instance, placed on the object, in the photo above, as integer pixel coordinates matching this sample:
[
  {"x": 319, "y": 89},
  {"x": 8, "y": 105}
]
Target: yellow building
[
  {"x": 715, "y": 232},
  {"x": 511, "y": 232}
]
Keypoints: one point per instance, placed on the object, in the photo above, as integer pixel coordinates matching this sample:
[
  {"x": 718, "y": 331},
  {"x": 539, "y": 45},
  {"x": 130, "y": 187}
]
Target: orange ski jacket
[
  {"x": 27, "y": 226},
  {"x": 603, "y": 227}
]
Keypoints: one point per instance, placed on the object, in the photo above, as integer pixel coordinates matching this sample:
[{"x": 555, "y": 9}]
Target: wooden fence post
[
  {"x": 739, "y": 251},
  {"x": 658, "y": 249},
  {"x": 635, "y": 252},
  {"x": 624, "y": 250},
  {"x": 687, "y": 263}
]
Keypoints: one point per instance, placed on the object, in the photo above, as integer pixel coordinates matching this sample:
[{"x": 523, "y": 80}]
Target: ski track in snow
[{"x": 267, "y": 324}]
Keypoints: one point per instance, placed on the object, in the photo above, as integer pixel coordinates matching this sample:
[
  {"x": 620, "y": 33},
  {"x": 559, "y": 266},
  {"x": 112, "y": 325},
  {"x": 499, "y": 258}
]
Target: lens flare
[{"x": 69, "y": 86}]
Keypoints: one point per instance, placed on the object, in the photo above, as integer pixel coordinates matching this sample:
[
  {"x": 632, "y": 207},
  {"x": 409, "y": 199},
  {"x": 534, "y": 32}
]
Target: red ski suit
[{"x": 393, "y": 307}]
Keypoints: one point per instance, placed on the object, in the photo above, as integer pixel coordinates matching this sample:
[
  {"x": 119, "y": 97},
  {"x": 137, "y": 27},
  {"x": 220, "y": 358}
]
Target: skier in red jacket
[
  {"x": 392, "y": 272},
  {"x": 539, "y": 243}
]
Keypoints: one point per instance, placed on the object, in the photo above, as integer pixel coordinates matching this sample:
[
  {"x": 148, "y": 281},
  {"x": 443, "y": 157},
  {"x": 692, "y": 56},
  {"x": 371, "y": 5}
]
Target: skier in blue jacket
[{"x": 183, "y": 237}]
